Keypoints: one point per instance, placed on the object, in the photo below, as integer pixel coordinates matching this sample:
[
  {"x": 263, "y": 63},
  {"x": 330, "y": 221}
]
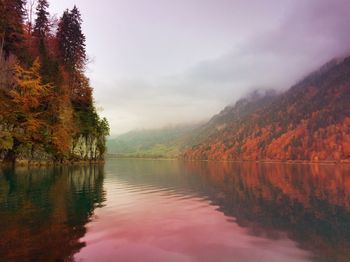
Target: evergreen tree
[
  {"x": 63, "y": 37},
  {"x": 71, "y": 40},
  {"x": 79, "y": 39},
  {"x": 49, "y": 69},
  {"x": 41, "y": 27}
]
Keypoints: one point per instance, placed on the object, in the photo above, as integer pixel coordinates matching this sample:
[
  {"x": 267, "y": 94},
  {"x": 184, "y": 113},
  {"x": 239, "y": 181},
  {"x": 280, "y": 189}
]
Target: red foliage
[{"x": 309, "y": 122}]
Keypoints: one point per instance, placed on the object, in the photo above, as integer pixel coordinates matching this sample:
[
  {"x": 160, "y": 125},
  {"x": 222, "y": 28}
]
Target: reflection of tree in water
[
  {"x": 309, "y": 203},
  {"x": 43, "y": 212}
]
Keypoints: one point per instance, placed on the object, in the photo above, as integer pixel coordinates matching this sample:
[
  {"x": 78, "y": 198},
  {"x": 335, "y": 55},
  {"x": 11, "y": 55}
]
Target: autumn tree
[
  {"x": 29, "y": 108},
  {"x": 11, "y": 26},
  {"x": 46, "y": 105},
  {"x": 28, "y": 96},
  {"x": 63, "y": 126},
  {"x": 81, "y": 91}
]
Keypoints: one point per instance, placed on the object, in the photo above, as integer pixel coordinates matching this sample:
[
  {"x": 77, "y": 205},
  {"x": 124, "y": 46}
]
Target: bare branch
[{"x": 29, "y": 14}]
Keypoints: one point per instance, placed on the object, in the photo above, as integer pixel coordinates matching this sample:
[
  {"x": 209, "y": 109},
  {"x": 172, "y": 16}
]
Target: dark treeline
[{"x": 46, "y": 104}]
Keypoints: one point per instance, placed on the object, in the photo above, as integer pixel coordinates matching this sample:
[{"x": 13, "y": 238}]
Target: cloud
[
  {"x": 312, "y": 33},
  {"x": 307, "y": 34}
]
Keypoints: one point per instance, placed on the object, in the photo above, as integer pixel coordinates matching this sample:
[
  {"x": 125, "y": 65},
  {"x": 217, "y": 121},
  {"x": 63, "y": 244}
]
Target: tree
[
  {"x": 46, "y": 104},
  {"x": 81, "y": 92},
  {"x": 29, "y": 15},
  {"x": 29, "y": 99},
  {"x": 103, "y": 131},
  {"x": 63, "y": 126},
  {"x": 71, "y": 40},
  {"x": 42, "y": 25},
  {"x": 50, "y": 69},
  {"x": 11, "y": 26}
]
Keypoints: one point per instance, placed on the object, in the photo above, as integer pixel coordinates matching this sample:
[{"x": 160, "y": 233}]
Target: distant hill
[
  {"x": 256, "y": 99},
  {"x": 310, "y": 121},
  {"x": 157, "y": 143}
]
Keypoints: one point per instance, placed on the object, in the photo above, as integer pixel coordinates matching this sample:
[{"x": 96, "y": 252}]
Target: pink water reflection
[{"x": 146, "y": 224}]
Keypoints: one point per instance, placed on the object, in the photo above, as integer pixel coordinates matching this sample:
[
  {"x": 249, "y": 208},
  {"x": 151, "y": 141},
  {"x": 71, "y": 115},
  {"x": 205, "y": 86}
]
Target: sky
[{"x": 155, "y": 63}]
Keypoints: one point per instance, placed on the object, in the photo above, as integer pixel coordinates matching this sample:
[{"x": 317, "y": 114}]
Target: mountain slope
[
  {"x": 311, "y": 121},
  {"x": 256, "y": 99},
  {"x": 165, "y": 142}
]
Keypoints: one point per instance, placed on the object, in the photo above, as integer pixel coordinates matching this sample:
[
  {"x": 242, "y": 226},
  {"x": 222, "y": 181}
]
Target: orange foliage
[{"x": 309, "y": 122}]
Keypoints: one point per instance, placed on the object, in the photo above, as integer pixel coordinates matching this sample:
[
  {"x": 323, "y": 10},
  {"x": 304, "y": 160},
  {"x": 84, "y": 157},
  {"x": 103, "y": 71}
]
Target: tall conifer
[
  {"x": 72, "y": 40},
  {"x": 41, "y": 27}
]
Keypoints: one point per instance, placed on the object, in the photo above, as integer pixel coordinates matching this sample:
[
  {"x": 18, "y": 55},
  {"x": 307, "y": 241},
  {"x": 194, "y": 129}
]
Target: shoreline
[
  {"x": 49, "y": 163},
  {"x": 305, "y": 162}
]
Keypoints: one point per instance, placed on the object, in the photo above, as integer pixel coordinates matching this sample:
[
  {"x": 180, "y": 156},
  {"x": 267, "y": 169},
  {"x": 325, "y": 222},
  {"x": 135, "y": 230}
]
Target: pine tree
[
  {"x": 41, "y": 27},
  {"x": 71, "y": 40},
  {"x": 79, "y": 38},
  {"x": 49, "y": 69},
  {"x": 63, "y": 37}
]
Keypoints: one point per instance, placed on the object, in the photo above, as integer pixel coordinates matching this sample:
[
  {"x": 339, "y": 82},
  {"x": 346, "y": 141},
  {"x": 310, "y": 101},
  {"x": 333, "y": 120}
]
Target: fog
[{"x": 161, "y": 62}]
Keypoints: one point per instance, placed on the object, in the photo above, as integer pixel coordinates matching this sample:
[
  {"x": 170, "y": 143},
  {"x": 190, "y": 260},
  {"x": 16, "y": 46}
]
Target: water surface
[{"x": 147, "y": 210}]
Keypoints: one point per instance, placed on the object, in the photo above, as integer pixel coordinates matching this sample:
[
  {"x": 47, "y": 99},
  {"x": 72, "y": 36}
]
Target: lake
[{"x": 154, "y": 210}]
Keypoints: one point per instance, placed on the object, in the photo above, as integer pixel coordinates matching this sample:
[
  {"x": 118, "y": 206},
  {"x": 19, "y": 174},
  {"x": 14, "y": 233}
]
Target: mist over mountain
[
  {"x": 167, "y": 142},
  {"x": 310, "y": 121},
  {"x": 183, "y": 61}
]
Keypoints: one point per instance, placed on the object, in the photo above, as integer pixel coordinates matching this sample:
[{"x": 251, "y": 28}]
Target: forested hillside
[
  {"x": 46, "y": 105},
  {"x": 156, "y": 143},
  {"x": 229, "y": 114},
  {"x": 311, "y": 121}
]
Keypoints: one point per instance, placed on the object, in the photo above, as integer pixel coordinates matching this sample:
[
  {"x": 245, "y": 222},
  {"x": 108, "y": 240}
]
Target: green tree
[
  {"x": 103, "y": 131},
  {"x": 41, "y": 26},
  {"x": 71, "y": 40}
]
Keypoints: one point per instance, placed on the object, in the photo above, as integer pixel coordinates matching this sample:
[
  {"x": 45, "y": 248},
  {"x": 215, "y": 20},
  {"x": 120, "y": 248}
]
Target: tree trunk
[{"x": 2, "y": 45}]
